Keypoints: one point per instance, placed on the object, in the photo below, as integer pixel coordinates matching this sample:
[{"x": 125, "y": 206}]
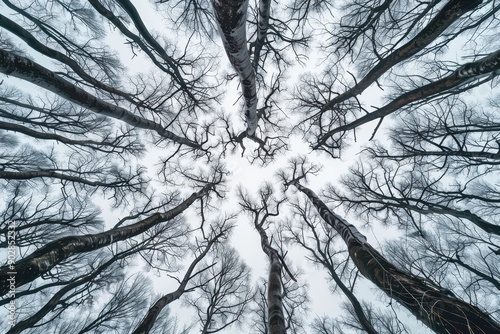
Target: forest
[{"x": 263, "y": 167}]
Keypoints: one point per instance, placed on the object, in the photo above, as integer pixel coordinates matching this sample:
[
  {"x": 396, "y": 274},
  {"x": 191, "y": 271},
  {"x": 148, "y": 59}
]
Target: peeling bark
[
  {"x": 442, "y": 313},
  {"x": 231, "y": 18},
  {"x": 44, "y": 259},
  {"x": 25, "y": 69}
]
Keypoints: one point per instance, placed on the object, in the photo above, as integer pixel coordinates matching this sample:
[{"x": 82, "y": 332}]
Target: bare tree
[
  {"x": 224, "y": 291},
  {"x": 26, "y": 69},
  {"x": 280, "y": 318},
  {"x": 447, "y": 15},
  {"x": 463, "y": 75},
  {"x": 295, "y": 304},
  {"x": 115, "y": 130},
  {"x": 218, "y": 232},
  {"x": 443, "y": 312}
]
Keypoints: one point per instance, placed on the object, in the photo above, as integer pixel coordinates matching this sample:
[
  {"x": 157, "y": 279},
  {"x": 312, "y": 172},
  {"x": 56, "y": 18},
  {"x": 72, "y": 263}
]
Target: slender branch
[
  {"x": 30, "y": 71},
  {"x": 44, "y": 259},
  {"x": 464, "y": 74}
]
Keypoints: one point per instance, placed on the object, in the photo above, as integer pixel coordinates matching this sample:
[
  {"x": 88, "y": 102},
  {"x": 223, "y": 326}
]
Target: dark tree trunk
[
  {"x": 23, "y": 68},
  {"x": 45, "y": 258},
  {"x": 430, "y": 304},
  {"x": 274, "y": 290}
]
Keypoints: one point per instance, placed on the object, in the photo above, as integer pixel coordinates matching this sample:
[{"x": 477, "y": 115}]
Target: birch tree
[
  {"x": 231, "y": 19},
  {"x": 219, "y": 231},
  {"x": 117, "y": 119},
  {"x": 78, "y": 288},
  {"x": 425, "y": 299},
  {"x": 282, "y": 305}
]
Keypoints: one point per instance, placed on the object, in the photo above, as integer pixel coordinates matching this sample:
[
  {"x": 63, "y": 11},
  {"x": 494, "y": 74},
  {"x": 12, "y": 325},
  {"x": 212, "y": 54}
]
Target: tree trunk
[
  {"x": 25, "y": 69},
  {"x": 231, "y": 18},
  {"x": 45, "y": 258},
  {"x": 430, "y": 304},
  {"x": 274, "y": 290},
  {"x": 55, "y": 299},
  {"x": 262, "y": 26}
]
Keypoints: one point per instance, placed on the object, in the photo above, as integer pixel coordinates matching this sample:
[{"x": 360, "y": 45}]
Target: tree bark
[
  {"x": 45, "y": 258},
  {"x": 57, "y": 174},
  {"x": 103, "y": 146},
  {"x": 430, "y": 304},
  {"x": 323, "y": 256},
  {"x": 25, "y": 69},
  {"x": 231, "y": 18},
  {"x": 462, "y": 75},
  {"x": 262, "y": 26}
]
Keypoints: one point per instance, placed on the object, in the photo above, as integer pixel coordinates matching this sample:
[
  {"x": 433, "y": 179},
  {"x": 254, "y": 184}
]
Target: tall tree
[
  {"x": 430, "y": 304},
  {"x": 231, "y": 19},
  {"x": 283, "y": 301},
  {"x": 116, "y": 126},
  {"x": 319, "y": 243},
  {"x": 276, "y": 315},
  {"x": 218, "y": 232}
]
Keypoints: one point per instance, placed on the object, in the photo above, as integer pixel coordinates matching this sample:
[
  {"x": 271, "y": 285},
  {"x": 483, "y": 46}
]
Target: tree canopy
[{"x": 249, "y": 166}]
